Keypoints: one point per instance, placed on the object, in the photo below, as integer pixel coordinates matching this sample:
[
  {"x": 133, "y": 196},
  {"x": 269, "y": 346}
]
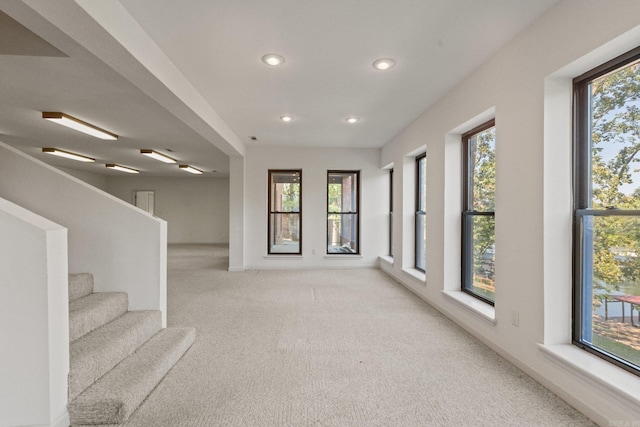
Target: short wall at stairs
[
  {"x": 34, "y": 319},
  {"x": 123, "y": 246}
]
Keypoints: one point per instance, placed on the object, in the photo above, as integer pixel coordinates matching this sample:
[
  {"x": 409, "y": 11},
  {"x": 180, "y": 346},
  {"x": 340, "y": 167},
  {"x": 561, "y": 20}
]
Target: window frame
[
  {"x": 419, "y": 213},
  {"x": 582, "y": 202},
  {"x": 468, "y": 213},
  {"x": 271, "y": 212},
  {"x": 357, "y": 212}
]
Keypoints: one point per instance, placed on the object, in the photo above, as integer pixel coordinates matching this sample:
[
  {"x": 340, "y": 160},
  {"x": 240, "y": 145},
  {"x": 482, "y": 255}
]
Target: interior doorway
[{"x": 145, "y": 200}]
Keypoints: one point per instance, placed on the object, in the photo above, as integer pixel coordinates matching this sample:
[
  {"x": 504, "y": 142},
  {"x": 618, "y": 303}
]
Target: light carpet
[{"x": 338, "y": 347}]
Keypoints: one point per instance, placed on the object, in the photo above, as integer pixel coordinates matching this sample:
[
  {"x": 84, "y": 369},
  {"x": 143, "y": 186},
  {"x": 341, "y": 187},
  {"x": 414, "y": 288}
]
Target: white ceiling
[{"x": 187, "y": 75}]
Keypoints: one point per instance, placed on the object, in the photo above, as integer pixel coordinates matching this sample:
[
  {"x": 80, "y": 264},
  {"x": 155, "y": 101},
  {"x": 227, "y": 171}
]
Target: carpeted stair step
[
  {"x": 93, "y": 311},
  {"x": 80, "y": 285},
  {"x": 96, "y": 353},
  {"x": 114, "y": 397}
]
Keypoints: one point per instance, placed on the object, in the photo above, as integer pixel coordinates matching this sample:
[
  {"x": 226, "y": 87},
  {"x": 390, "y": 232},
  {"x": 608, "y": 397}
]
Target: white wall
[
  {"x": 314, "y": 164},
  {"x": 236, "y": 213},
  {"x": 34, "y": 314},
  {"x": 98, "y": 181},
  {"x": 196, "y": 208},
  {"x": 527, "y": 88},
  {"x": 124, "y": 247}
]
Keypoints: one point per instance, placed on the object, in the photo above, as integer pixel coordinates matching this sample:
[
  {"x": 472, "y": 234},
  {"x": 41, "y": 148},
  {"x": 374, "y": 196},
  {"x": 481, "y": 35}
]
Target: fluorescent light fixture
[
  {"x": 352, "y": 120},
  {"x": 190, "y": 169},
  {"x": 68, "y": 155},
  {"x": 286, "y": 118},
  {"x": 384, "y": 64},
  {"x": 158, "y": 156},
  {"x": 273, "y": 59},
  {"x": 121, "y": 168},
  {"x": 79, "y": 125}
]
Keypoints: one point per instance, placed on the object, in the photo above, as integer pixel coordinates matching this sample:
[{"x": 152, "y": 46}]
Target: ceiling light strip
[
  {"x": 121, "y": 168},
  {"x": 68, "y": 155},
  {"x": 190, "y": 169},
  {"x": 158, "y": 156},
  {"x": 79, "y": 125}
]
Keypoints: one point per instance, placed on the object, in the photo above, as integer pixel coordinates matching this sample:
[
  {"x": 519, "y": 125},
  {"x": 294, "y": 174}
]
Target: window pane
[
  {"x": 478, "y": 224},
  {"x": 422, "y": 184},
  {"x": 285, "y": 191},
  {"x": 421, "y": 242},
  {"x": 607, "y": 201},
  {"x": 420, "y": 216},
  {"x": 285, "y": 233},
  {"x": 342, "y": 192},
  {"x": 611, "y": 285},
  {"x": 615, "y": 134},
  {"x": 482, "y": 165},
  {"x": 285, "y": 211},
  {"x": 342, "y": 234},
  {"x": 480, "y": 256},
  {"x": 342, "y": 212},
  {"x": 391, "y": 212}
]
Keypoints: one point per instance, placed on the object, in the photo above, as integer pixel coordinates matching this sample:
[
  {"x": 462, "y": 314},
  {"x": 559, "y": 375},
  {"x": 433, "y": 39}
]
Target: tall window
[
  {"x": 285, "y": 209},
  {"x": 478, "y": 236},
  {"x": 391, "y": 213},
  {"x": 421, "y": 210},
  {"x": 607, "y": 211},
  {"x": 342, "y": 212}
]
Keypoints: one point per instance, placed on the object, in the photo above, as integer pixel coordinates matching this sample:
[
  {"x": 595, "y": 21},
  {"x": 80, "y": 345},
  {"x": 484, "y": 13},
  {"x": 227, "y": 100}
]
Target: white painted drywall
[
  {"x": 237, "y": 190},
  {"x": 314, "y": 164},
  {"x": 34, "y": 314},
  {"x": 527, "y": 87},
  {"x": 196, "y": 208},
  {"x": 98, "y": 181},
  {"x": 124, "y": 247}
]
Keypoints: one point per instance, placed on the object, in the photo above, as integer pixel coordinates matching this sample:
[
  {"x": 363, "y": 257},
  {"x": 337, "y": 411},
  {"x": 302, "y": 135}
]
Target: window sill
[
  {"x": 387, "y": 259},
  {"x": 485, "y": 311},
  {"x": 416, "y": 274},
  {"x": 602, "y": 374},
  {"x": 344, "y": 256},
  {"x": 273, "y": 256}
]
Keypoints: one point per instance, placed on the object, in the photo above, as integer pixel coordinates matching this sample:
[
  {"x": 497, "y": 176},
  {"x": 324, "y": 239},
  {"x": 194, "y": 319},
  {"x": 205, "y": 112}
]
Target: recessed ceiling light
[
  {"x": 190, "y": 169},
  {"x": 273, "y": 59},
  {"x": 68, "y": 155},
  {"x": 77, "y": 124},
  {"x": 121, "y": 168},
  {"x": 158, "y": 156},
  {"x": 286, "y": 118},
  {"x": 351, "y": 119},
  {"x": 384, "y": 64}
]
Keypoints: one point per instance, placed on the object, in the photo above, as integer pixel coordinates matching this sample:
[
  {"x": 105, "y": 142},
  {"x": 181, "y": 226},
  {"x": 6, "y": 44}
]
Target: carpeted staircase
[{"x": 117, "y": 357}]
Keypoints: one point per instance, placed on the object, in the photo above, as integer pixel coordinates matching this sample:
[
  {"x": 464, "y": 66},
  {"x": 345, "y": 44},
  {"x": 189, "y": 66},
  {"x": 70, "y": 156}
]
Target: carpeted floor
[{"x": 339, "y": 347}]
